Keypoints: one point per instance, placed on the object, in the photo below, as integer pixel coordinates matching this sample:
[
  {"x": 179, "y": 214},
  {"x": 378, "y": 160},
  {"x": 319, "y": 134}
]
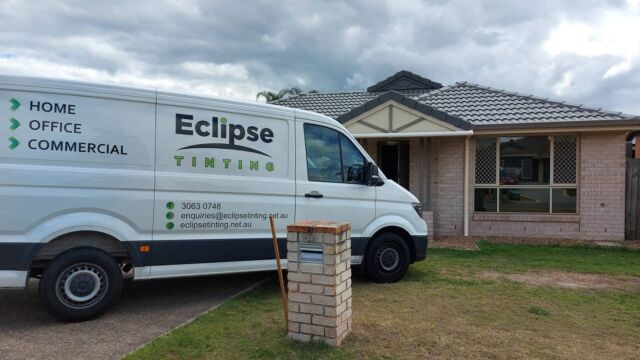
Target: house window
[
  {"x": 526, "y": 174},
  {"x": 486, "y": 160}
]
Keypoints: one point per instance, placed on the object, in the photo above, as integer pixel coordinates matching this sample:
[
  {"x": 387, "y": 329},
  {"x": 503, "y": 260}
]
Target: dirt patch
[
  {"x": 569, "y": 280},
  {"x": 635, "y": 244},
  {"x": 457, "y": 243}
]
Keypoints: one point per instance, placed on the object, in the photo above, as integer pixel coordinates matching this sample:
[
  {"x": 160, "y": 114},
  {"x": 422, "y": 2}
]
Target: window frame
[
  {"x": 364, "y": 159},
  {"x": 550, "y": 187},
  {"x": 530, "y": 167},
  {"x": 342, "y": 174}
]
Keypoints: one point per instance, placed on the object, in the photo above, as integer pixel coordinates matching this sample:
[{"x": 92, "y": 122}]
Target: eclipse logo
[{"x": 185, "y": 125}]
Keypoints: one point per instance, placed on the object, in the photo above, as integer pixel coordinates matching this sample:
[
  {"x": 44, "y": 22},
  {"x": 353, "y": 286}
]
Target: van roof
[{"x": 82, "y": 88}]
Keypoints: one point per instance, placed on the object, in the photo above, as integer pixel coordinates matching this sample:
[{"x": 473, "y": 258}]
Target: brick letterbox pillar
[{"x": 319, "y": 281}]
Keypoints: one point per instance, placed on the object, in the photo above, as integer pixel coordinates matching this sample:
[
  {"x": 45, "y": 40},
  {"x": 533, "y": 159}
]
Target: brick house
[{"x": 491, "y": 163}]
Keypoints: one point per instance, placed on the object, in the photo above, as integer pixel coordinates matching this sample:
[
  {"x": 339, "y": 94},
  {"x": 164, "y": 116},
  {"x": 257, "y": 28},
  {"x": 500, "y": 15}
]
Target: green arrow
[
  {"x": 14, "y": 123},
  {"x": 15, "y": 104},
  {"x": 14, "y": 143}
]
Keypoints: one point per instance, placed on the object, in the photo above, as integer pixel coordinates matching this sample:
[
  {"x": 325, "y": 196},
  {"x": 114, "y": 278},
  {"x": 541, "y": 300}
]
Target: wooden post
[{"x": 280, "y": 278}]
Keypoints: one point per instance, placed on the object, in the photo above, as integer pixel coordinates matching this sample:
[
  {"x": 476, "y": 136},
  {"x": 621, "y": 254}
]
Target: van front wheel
[
  {"x": 80, "y": 284},
  {"x": 388, "y": 258}
]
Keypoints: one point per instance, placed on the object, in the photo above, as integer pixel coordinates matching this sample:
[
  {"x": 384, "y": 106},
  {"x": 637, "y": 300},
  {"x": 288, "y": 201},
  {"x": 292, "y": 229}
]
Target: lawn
[{"x": 445, "y": 308}]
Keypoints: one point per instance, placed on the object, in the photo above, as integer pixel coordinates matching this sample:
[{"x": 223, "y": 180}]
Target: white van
[{"x": 98, "y": 181}]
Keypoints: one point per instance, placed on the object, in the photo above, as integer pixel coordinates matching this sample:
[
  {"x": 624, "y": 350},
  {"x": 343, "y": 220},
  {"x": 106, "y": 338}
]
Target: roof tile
[
  {"x": 474, "y": 104},
  {"x": 335, "y": 104}
]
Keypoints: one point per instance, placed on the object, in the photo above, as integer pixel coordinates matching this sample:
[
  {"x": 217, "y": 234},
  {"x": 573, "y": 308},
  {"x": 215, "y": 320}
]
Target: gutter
[
  {"x": 560, "y": 124},
  {"x": 413, "y": 134}
]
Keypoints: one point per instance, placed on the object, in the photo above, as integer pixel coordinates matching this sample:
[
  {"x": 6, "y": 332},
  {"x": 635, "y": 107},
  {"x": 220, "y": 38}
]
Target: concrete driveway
[{"x": 146, "y": 310}]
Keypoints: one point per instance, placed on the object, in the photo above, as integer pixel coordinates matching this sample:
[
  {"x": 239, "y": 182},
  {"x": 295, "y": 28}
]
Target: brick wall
[
  {"x": 601, "y": 199},
  {"x": 447, "y": 186},
  {"x": 602, "y": 186}
]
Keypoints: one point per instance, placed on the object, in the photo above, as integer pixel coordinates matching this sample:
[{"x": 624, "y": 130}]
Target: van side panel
[
  {"x": 67, "y": 156},
  {"x": 221, "y": 170}
]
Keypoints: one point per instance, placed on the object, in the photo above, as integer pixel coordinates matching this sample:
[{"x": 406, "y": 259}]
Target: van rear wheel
[
  {"x": 80, "y": 284},
  {"x": 388, "y": 258}
]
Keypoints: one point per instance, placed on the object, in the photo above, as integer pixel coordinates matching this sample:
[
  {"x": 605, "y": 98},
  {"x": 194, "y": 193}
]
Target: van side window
[
  {"x": 323, "y": 154},
  {"x": 331, "y": 156},
  {"x": 352, "y": 162}
]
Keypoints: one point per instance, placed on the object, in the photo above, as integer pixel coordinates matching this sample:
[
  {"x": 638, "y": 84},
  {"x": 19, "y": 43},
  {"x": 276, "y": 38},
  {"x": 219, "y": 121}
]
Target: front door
[
  {"x": 394, "y": 161},
  {"x": 329, "y": 182}
]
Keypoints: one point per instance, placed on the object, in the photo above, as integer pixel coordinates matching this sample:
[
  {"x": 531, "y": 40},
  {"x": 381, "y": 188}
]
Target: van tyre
[
  {"x": 80, "y": 284},
  {"x": 388, "y": 258}
]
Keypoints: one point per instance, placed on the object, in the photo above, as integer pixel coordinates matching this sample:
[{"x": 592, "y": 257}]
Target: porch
[
  {"x": 432, "y": 168},
  {"x": 424, "y": 154}
]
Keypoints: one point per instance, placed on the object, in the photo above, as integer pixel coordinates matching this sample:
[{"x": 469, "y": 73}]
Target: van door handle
[{"x": 313, "y": 194}]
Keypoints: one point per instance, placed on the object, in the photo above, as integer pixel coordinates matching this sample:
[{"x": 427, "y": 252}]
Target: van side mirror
[
  {"x": 372, "y": 177},
  {"x": 355, "y": 174}
]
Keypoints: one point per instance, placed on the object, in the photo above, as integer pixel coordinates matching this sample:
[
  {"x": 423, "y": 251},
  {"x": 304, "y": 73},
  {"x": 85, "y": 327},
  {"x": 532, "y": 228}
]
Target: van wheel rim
[
  {"x": 388, "y": 258},
  {"x": 82, "y": 285}
]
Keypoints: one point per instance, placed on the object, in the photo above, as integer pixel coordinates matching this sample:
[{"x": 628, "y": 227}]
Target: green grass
[
  {"x": 513, "y": 258},
  {"x": 537, "y": 310},
  {"x": 441, "y": 310}
]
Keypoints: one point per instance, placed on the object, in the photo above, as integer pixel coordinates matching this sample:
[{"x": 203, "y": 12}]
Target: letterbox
[
  {"x": 319, "y": 281},
  {"x": 311, "y": 253}
]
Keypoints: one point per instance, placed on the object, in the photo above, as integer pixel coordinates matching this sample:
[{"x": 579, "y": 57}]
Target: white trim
[
  {"x": 413, "y": 134},
  {"x": 466, "y": 185},
  {"x": 13, "y": 279},
  {"x": 516, "y": 131},
  {"x": 204, "y": 269}
]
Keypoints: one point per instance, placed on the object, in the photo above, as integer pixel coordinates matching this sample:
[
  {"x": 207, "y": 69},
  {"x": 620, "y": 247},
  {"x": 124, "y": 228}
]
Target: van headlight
[{"x": 418, "y": 208}]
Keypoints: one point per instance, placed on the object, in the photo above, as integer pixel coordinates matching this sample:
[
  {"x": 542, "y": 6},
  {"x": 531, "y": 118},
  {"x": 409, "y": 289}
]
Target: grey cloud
[{"x": 330, "y": 45}]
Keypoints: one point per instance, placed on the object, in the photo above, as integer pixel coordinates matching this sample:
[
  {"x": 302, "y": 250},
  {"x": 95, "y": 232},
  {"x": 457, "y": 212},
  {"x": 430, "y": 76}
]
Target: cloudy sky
[{"x": 584, "y": 51}]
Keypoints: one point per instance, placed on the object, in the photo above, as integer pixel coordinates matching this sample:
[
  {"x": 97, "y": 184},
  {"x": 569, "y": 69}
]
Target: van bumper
[
  {"x": 13, "y": 279},
  {"x": 420, "y": 244}
]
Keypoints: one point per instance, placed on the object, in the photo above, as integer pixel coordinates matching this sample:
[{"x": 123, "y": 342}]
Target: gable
[{"x": 394, "y": 119}]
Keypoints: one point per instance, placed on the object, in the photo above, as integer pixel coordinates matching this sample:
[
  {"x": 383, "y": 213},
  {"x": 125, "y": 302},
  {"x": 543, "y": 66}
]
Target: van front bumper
[
  {"x": 13, "y": 278},
  {"x": 420, "y": 244}
]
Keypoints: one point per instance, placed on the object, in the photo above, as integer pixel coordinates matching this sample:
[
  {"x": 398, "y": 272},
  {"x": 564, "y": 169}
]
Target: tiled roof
[
  {"x": 470, "y": 105},
  {"x": 335, "y": 104},
  {"x": 485, "y": 106},
  {"x": 404, "y": 80}
]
